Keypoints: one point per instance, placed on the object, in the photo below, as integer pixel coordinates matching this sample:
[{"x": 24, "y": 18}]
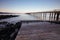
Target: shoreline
[{"x": 7, "y": 16}]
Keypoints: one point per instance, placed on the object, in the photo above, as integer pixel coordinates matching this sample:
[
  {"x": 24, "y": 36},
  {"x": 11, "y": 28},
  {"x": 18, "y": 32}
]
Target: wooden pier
[{"x": 53, "y": 15}]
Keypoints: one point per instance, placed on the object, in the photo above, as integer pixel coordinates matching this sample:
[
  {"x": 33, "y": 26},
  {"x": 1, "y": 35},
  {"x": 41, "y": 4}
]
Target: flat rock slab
[{"x": 39, "y": 31}]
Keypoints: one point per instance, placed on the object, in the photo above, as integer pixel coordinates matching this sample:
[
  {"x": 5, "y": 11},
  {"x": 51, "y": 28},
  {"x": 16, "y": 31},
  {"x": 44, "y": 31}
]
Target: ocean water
[{"x": 41, "y": 16}]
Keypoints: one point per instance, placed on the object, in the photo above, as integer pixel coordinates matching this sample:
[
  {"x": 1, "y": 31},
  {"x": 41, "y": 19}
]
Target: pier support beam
[
  {"x": 57, "y": 18},
  {"x": 44, "y": 16}
]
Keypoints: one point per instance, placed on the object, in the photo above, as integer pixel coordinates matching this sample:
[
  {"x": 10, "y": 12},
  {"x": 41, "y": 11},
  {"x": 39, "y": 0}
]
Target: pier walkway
[{"x": 39, "y": 31}]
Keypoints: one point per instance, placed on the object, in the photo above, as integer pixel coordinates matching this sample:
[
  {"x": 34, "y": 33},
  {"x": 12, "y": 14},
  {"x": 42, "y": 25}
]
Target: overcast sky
[{"x": 22, "y": 6}]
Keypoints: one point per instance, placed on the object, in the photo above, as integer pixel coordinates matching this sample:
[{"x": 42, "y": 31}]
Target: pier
[{"x": 47, "y": 15}]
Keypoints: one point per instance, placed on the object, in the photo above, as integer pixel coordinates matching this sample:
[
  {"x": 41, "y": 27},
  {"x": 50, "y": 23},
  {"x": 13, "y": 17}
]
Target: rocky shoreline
[{"x": 7, "y": 16}]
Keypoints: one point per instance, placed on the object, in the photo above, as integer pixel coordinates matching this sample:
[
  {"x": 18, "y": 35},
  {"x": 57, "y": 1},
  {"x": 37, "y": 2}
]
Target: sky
[{"x": 23, "y": 6}]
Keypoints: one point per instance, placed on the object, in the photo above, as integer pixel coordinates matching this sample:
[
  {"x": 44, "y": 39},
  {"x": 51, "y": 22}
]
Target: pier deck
[{"x": 39, "y": 31}]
